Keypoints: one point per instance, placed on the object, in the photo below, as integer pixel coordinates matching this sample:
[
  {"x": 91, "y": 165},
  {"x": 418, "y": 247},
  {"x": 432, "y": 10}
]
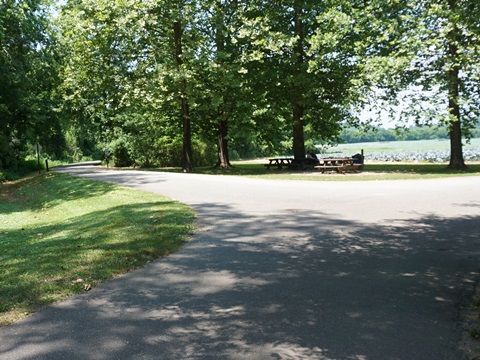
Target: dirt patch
[
  {"x": 470, "y": 326},
  {"x": 7, "y": 195}
]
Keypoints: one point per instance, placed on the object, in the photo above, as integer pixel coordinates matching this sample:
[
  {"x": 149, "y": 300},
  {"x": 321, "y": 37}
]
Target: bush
[
  {"x": 120, "y": 153},
  {"x": 169, "y": 153},
  {"x": 203, "y": 154},
  {"x": 24, "y": 167},
  {"x": 8, "y": 153}
]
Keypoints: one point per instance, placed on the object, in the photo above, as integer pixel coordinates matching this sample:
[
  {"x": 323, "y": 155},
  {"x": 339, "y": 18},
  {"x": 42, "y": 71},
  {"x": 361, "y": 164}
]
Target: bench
[
  {"x": 300, "y": 166},
  {"x": 353, "y": 167},
  {"x": 337, "y": 168},
  {"x": 279, "y": 163}
]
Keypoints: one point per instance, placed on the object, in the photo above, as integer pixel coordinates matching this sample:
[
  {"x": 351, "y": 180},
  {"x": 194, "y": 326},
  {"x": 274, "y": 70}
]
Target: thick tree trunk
[
  {"x": 298, "y": 135},
  {"x": 222, "y": 125},
  {"x": 187, "y": 161},
  {"x": 455, "y": 129},
  {"x": 222, "y": 143},
  {"x": 456, "y": 148},
  {"x": 298, "y": 109}
]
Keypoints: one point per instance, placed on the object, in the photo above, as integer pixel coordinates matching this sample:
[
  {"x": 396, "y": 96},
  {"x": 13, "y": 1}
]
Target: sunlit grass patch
[
  {"x": 60, "y": 235},
  {"x": 375, "y": 171}
]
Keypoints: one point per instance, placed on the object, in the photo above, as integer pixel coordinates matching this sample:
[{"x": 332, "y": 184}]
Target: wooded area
[{"x": 187, "y": 83}]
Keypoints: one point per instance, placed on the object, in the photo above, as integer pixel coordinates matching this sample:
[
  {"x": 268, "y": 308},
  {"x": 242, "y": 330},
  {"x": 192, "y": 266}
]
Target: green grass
[
  {"x": 370, "y": 172},
  {"x": 471, "y": 316},
  {"x": 61, "y": 235}
]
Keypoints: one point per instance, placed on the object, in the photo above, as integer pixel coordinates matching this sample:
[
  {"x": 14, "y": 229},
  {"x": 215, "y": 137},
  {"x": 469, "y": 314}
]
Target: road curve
[{"x": 281, "y": 270}]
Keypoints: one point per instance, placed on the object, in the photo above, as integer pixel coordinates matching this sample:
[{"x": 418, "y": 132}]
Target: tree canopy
[
  {"x": 432, "y": 54},
  {"x": 28, "y": 81},
  {"x": 185, "y": 83}
]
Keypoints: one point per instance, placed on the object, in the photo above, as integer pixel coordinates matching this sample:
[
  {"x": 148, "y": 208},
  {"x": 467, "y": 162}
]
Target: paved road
[{"x": 281, "y": 270}]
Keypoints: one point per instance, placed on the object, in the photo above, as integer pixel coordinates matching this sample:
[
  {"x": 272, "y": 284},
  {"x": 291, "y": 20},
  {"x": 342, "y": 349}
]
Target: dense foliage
[
  {"x": 431, "y": 54},
  {"x": 28, "y": 80},
  {"x": 190, "y": 82}
]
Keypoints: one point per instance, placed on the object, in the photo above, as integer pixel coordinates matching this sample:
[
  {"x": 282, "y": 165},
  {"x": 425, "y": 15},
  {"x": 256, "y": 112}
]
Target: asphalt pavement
[{"x": 375, "y": 270}]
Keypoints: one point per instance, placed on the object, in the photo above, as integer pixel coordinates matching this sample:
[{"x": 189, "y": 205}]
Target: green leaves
[
  {"x": 257, "y": 66},
  {"x": 27, "y": 80}
]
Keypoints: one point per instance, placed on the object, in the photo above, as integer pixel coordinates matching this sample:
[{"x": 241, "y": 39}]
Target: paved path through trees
[{"x": 281, "y": 270}]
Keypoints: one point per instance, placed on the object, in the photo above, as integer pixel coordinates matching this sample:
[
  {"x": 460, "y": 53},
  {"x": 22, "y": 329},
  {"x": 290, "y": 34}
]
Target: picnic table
[
  {"x": 339, "y": 165},
  {"x": 279, "y": 162}
]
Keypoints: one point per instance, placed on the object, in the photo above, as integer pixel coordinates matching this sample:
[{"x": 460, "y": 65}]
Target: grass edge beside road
[
  {"x": 371, "y": 172},
  {"x": 470, "y": 325},
  {"x": 62, "y": 235}
]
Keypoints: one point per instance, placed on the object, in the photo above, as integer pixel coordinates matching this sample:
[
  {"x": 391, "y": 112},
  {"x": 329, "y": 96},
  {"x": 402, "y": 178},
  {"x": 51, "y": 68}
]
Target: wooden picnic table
[
  {"x": 279, "y": 162},
  {"x": 339, "y": 165}
]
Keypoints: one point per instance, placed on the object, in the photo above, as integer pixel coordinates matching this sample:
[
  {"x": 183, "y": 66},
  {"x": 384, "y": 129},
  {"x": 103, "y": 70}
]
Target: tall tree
[
  {"x": 222, "y": 95},
  {"x": 453, "y": 79},
  {"x": 27, "y": 79},
  {"x": 306, "y": 76},
  {"x": 127, "y": 78},
  {"x": 219, "y": 16},
  {"x": 185, "y": 113},
  {"x": 100, "y": 63},
  {"x": 298, "y": 104},
  {"x": 428, "y": 62}
]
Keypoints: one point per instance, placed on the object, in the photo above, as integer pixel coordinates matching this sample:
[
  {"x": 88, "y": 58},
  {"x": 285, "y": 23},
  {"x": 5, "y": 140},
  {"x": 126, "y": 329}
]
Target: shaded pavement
[{"x": 281, "y": 270}]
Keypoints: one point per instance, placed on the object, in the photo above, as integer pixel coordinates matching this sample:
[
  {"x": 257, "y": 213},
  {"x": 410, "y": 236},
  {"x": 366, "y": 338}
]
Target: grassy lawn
[{"x": 61, "y": 235}]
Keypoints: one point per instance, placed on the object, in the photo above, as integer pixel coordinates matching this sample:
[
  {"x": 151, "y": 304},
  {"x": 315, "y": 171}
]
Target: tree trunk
[
  {"x": 187, "y": 160},
  {"x": 455, "y": 129},
  {"x": 185, "y": 116},
  {"x": 298, "y": 109},
  {"x": 456, "y": 153},
  {"x": 222, "y": 125},
  {"x": 222, "y": 142},
  {"x": 298, "y": 135}
]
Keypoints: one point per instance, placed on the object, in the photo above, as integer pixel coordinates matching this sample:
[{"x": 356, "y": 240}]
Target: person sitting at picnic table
[{"x": 312, "y": 158}]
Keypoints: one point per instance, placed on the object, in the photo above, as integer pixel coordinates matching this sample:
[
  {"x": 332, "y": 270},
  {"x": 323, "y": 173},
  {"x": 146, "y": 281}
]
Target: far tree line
[
  {"x": 354, "y": 135},
  {"x": 190, "y": 82}
]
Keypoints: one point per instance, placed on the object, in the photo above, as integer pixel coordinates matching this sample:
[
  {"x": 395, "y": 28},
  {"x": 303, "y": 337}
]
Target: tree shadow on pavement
[{"x": 291, "y": 285}]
